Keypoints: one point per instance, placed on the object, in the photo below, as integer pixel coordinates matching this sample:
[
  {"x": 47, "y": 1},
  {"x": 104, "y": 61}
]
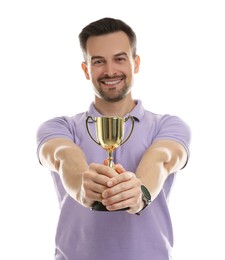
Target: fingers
[
  {"x": 124, "y": 192},
  {"x": 117, "y": 167},
  {"x": 116, "y": 191},
  {"x": 121, "y": 200},
  {"x": 119, "y": 178},
  {"x": 103, "y": 170},
  {"x": 106, "y": 162},
  {"x": 94, "y": 182},
  {"x": 92, "y": 188}
]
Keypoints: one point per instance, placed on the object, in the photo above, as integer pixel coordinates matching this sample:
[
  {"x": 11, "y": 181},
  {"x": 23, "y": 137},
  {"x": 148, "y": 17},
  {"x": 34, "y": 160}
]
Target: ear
[
  {"x": 85, "y": 69},
  {"x": 137, "y": 61}
]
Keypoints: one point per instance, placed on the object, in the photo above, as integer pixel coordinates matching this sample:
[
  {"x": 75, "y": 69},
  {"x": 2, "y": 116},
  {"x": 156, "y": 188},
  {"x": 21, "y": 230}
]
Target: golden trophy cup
[{"x": 110, "y": 135}]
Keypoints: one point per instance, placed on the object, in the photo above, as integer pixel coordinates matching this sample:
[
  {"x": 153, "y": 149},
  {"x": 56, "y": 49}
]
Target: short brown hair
[{"x": 105, "y": 26}]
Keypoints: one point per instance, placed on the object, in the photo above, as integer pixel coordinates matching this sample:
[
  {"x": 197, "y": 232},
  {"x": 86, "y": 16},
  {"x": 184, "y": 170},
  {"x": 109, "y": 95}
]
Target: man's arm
[
  {"x": 84, "y": 183},
  {"x": 161, "y": 159}
]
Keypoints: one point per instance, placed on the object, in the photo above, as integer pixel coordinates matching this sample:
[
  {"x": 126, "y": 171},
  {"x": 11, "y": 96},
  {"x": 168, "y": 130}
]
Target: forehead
[{"x": 108, "y": 44}]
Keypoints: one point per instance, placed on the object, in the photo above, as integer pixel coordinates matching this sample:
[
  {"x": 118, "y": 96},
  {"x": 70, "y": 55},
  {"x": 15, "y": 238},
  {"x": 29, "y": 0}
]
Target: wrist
[{"x": 146, "y": 198}]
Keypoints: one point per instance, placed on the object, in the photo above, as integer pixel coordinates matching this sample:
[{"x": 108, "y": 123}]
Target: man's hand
[
  {"x": 123, "y": 190},
  {"x": 94, "y": 182}
]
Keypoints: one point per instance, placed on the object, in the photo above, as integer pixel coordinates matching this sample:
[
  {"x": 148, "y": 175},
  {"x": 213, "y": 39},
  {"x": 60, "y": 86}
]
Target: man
[{"x": 144, "y": 170}]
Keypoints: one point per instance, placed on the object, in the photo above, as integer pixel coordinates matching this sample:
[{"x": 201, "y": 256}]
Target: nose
[{"x": 110, "y": 69}]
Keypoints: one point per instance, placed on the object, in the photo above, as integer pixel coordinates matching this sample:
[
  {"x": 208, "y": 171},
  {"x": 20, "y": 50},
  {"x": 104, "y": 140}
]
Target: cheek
[
  {"x": 95, "y": 74},
  {"x": 130, "y": 71}
]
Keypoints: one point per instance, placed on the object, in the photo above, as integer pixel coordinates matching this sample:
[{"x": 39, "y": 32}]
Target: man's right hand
[{"x": 94, "y": 182}]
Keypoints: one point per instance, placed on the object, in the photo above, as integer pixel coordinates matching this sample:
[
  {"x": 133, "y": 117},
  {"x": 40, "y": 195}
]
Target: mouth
[{"x": 111, "y": 81}]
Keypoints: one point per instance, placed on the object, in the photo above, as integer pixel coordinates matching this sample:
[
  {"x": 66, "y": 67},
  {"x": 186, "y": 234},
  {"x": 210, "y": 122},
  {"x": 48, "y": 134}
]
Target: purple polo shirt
[{"x": 83, "y": 234}]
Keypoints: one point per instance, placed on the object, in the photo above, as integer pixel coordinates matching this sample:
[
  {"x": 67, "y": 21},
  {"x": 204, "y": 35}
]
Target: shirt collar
[{"x": 137, "y": 112}]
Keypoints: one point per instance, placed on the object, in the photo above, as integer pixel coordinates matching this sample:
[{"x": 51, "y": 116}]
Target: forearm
[
  {"x": 68, "y": 160},
  {"x": 72, "y": 164},
  {"x": 152, "y": 174},
  {"x": 160, "y": 160}
]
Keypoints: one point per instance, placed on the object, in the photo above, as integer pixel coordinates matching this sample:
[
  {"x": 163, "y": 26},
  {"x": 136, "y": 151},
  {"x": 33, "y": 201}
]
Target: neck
[{"x": 119, "y": 108}]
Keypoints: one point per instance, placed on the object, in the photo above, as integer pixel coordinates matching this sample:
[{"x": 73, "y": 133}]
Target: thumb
[
  {"x": 119, "y": 168},
  {"x": 106, "y": 162}
]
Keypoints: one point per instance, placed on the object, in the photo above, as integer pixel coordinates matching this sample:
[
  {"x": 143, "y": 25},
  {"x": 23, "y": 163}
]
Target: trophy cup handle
[
  {"x": 93, "y": 120},
  {"x": 131, "y": 130}
]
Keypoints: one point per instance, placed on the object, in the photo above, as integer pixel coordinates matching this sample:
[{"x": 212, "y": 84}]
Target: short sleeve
[
  {"x": 174, "y": 128},
  {"x": 59, "y": 127}
]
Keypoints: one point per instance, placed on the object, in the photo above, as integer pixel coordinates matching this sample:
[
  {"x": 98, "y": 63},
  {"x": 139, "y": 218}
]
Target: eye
[
  {"x": 97, "y": 62},
  {"x": 121, "y": 59}
]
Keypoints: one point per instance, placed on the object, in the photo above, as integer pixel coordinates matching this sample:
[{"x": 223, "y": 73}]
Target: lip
[{"x": 111, "y": 82}]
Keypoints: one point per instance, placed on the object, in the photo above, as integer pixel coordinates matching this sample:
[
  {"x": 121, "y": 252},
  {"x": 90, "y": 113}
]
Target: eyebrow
[
  {"x": 121, "y": 54},
  {"x": 116, "y": 55},
  {"x": 96, "y": 57}
]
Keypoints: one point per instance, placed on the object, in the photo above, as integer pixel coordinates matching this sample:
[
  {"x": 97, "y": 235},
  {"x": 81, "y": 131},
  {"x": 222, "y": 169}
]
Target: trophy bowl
[{"x": 110, "y": 133}]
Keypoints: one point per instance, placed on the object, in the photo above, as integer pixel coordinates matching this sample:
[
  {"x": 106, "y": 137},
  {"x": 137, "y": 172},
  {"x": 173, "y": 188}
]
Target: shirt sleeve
[
  {"x": 59, "y": 127},
  {"x": 174, "y": 128}
]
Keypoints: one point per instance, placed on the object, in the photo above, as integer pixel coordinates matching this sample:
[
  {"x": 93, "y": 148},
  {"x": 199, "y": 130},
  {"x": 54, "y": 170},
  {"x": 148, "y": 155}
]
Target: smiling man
[{"x": 145, "y": 166}]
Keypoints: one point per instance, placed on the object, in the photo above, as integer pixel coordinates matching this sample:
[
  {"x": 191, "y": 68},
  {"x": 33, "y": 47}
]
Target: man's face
[{"x": 110, "y": 65}]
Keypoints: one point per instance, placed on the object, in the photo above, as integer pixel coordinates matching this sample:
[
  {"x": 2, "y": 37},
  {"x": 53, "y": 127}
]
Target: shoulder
[
  {"x": 57, "y": 127},
  {"x": 169, "y": 127},
  {"x": 62, "y": 121}
]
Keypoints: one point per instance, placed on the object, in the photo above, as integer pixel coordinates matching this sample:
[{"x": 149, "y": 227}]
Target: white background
[{"x": 181, "y": 44}]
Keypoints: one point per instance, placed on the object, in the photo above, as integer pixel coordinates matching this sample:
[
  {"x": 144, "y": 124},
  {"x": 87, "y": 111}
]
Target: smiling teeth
[{"x": 112, "y": 82}]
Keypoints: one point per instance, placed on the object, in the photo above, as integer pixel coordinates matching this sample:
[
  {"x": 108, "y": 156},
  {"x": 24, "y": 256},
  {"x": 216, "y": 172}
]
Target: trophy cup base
[{"x": 98, "y": 206}]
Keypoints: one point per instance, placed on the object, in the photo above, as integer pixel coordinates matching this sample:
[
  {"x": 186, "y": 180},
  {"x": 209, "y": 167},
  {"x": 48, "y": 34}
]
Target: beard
[{"x": 113, "y": 95}]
